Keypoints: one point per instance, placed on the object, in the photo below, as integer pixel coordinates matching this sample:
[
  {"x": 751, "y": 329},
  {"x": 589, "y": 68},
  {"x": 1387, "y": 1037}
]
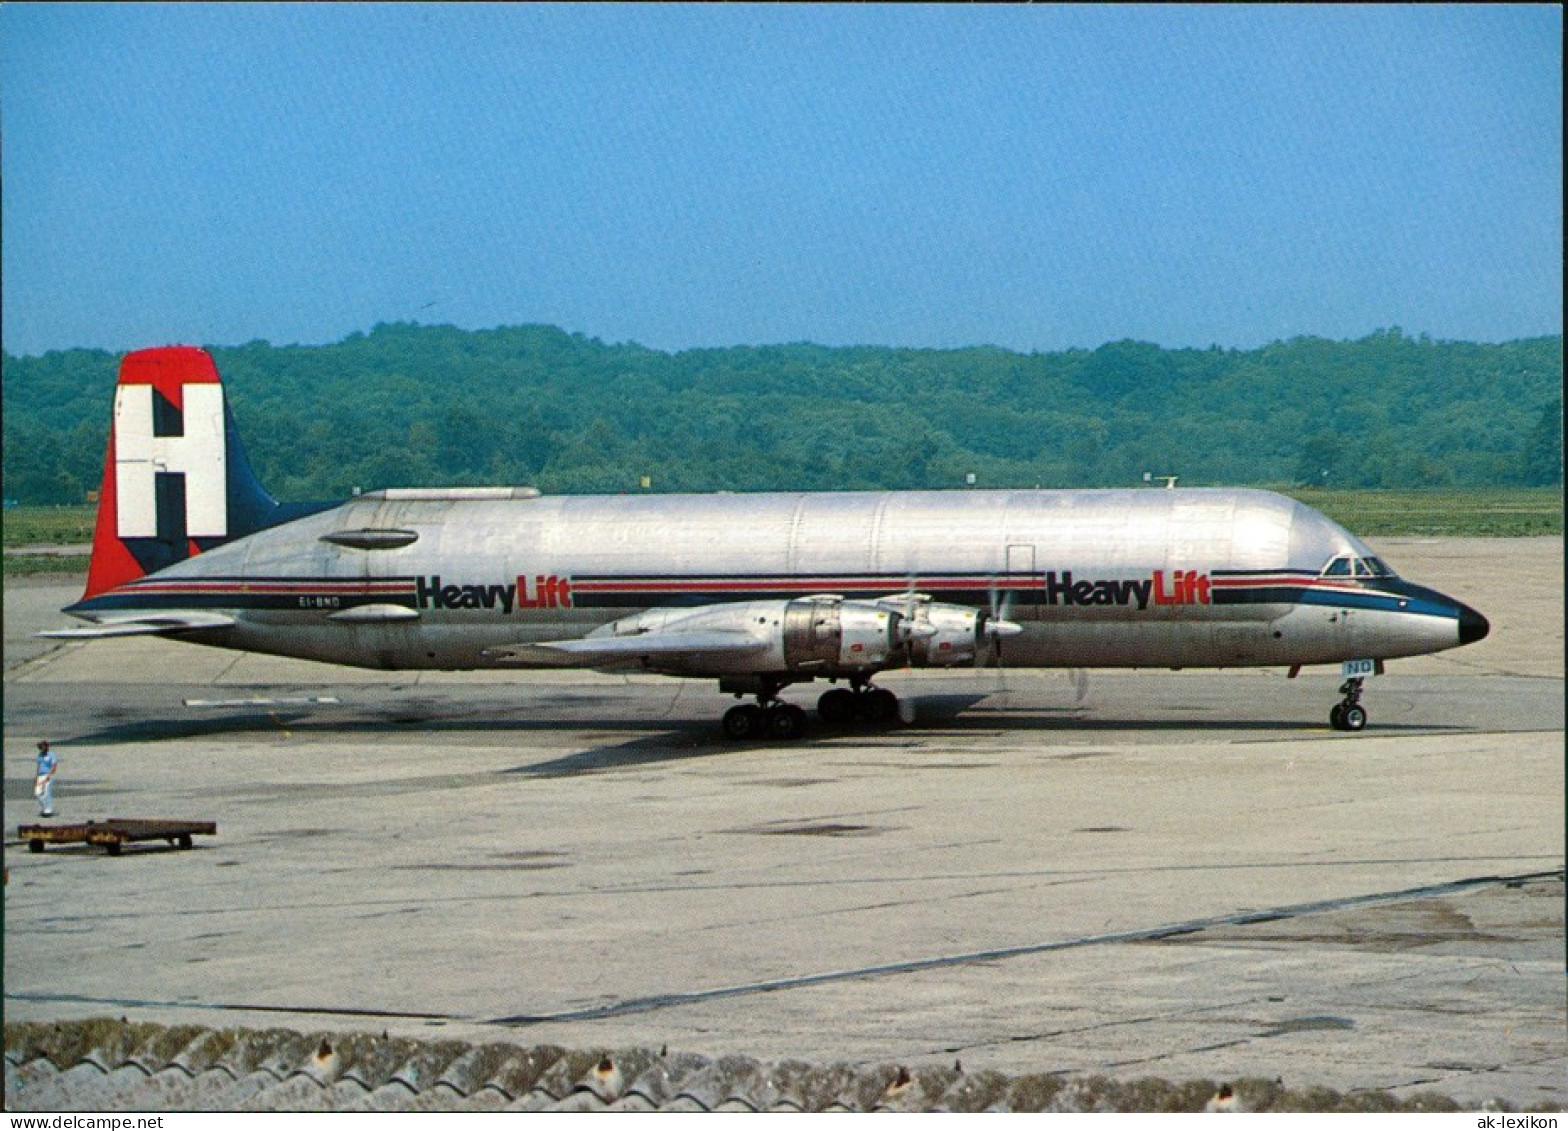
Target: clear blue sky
[{"x": 1031, "y": 177}]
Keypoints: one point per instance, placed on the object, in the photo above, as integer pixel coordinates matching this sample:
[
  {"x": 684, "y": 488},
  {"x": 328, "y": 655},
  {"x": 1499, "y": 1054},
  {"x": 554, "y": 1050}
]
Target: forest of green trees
[{"x": 410, "y": 405}]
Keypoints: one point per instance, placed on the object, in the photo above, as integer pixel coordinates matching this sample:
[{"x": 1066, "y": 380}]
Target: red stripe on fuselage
[
  {"x": 1290, "y": 581},
  {"x": 260, "y": 586},
  {"x": 794, "y": 584}
]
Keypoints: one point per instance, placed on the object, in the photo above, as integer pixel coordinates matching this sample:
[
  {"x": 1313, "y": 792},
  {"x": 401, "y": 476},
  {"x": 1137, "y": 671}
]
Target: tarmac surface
[{"x": 1181, "y": 875}]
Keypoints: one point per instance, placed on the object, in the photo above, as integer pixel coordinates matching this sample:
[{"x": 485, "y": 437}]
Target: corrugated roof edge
[{"x": 198, "y": 1068}]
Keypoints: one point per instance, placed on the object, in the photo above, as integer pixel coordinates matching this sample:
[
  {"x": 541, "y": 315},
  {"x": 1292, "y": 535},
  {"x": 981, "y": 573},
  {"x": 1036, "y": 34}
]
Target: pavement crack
[
  {"x": 916, "y": 965},
  {"x": 231, "y": 1007}
]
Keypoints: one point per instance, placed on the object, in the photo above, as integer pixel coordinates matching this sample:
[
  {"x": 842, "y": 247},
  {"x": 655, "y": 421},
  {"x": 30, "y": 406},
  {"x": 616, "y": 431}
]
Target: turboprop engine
[
  {"x": 947, "y": 636},
  {"x": 826, "y": 635}
]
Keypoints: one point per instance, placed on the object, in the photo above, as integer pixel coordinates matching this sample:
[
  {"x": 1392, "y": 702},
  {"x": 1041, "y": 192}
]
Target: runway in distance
[{"x": 758, "y": 591}]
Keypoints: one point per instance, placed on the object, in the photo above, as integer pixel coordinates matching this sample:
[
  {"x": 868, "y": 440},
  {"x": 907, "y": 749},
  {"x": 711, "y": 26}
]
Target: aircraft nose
[{"x": 1472, "y": 625}]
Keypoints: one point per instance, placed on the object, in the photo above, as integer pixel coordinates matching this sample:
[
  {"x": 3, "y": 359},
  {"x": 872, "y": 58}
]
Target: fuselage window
[{"x": 1339, "y": 567}]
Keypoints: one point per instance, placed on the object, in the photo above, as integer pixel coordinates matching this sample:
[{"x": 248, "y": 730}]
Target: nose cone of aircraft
[{"x": 1472, "y": 625}]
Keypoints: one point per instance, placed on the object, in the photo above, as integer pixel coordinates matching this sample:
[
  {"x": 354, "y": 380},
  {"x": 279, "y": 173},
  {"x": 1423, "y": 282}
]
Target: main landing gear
[
  {"x": 1348, "y": 713},
  {"x": 858, "y": 701},
  {"x": 765, "y": 719},
  {"x": 771, "y": 717}
]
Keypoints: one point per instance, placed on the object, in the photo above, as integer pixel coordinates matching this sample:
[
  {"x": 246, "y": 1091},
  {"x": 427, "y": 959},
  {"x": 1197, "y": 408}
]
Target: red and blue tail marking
[{"x": 176, "y": 481}]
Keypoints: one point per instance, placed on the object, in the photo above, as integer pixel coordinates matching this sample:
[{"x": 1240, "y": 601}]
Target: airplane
[{"x": 758, "y": 591}]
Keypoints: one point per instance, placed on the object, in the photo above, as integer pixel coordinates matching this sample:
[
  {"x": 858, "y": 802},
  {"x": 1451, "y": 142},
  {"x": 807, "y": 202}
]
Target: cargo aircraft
[{"x": 757, "y": 591}]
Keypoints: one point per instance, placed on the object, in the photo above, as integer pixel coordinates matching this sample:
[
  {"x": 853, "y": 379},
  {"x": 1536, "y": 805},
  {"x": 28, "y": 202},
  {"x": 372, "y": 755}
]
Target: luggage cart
[{"x": 115, "y": 832}]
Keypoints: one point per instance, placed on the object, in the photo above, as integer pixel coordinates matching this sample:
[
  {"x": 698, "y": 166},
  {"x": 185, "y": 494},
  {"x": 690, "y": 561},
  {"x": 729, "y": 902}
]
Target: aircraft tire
[
  {"x": 1353, "y": 717},
  {"x": 1336, "y": 717},
  {"x": 744, "y": 721},
  {"x": 785, "y": 721},
  {"x": 879, "y": 706},
  {"x": 836, "y": 706}
]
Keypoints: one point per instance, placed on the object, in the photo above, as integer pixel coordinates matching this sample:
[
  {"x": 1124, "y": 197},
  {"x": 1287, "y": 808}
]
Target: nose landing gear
[{"x": 1348, "y": 714}]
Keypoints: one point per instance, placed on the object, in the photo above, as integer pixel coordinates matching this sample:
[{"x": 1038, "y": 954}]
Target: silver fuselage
[{"x": 1144, "y": 578}]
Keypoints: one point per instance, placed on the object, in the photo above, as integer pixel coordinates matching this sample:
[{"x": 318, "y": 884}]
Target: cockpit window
[{"x": 1357, "y": 567}]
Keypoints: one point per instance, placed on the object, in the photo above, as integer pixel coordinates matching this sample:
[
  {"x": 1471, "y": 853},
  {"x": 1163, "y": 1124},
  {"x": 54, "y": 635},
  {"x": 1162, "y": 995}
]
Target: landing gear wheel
[
  {"x": 785, "y": 721},
  {"x": 742, "y": 722},
  {"x": 879, "y": 706},
  {"x": 1348, "y": 714},
  {"x": 836, "y": 706}
]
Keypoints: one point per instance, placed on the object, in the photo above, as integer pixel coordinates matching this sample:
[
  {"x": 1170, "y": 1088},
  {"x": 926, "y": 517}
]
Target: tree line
[{"x": 412, "y": 405}]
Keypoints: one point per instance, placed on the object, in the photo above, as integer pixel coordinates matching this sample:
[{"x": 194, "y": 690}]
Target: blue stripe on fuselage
[{"x": 1389, "y": 595}]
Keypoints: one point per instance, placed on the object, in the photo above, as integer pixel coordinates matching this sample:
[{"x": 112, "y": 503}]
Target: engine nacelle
[
  {"x": 829, "y": 635},
  {"x": 824, "y": 636},
  {"x": 957, "y": 636}
]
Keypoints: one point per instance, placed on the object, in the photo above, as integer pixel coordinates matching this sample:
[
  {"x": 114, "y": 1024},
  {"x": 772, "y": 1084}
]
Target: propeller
[
  {"x": 912, "y": 628},
  {"x": 995, "y": 625},
  {"x": 911, "y": 625}
]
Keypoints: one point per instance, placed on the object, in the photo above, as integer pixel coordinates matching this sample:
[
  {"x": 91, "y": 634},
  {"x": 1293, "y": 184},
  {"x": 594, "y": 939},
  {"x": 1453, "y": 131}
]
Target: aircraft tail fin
[{"x": 176, "y": 481}]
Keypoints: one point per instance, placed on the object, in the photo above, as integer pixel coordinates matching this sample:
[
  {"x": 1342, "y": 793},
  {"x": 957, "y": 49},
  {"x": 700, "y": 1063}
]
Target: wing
[
  {"x": 660, "y": 644},
  {"x": 144, "y": 624},
  {"x": 611, "y": 649}
]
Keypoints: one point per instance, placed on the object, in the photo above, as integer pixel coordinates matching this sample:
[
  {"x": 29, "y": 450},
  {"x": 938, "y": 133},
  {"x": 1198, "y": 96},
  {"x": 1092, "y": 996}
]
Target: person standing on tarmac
[{"x": 43, "y": 788}]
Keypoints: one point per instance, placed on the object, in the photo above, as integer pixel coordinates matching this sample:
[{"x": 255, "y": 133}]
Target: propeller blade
[{"x": 997, "y": 628}]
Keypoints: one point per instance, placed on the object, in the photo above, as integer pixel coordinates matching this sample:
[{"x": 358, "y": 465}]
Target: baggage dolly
[{"x": 115, "y": 833}]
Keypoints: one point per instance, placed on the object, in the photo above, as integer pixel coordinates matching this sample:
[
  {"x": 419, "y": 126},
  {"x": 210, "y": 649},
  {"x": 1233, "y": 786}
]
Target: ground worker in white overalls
[{"x": 43, "y": 787}]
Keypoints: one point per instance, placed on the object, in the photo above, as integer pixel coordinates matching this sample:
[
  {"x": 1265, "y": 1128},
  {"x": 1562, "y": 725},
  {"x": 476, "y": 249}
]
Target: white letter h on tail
[{"x": 200, "y": 455}]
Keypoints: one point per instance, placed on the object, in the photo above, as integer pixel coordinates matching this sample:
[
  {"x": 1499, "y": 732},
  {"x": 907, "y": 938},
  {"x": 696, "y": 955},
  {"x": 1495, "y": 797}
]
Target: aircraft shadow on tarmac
[
  {"x": 664, "y": 739},
  {"x": 683, "y": 744}
]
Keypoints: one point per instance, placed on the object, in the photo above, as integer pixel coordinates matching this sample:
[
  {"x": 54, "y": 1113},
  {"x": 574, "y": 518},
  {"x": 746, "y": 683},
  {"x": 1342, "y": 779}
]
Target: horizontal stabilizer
[{"x": 145, "y": 624}]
